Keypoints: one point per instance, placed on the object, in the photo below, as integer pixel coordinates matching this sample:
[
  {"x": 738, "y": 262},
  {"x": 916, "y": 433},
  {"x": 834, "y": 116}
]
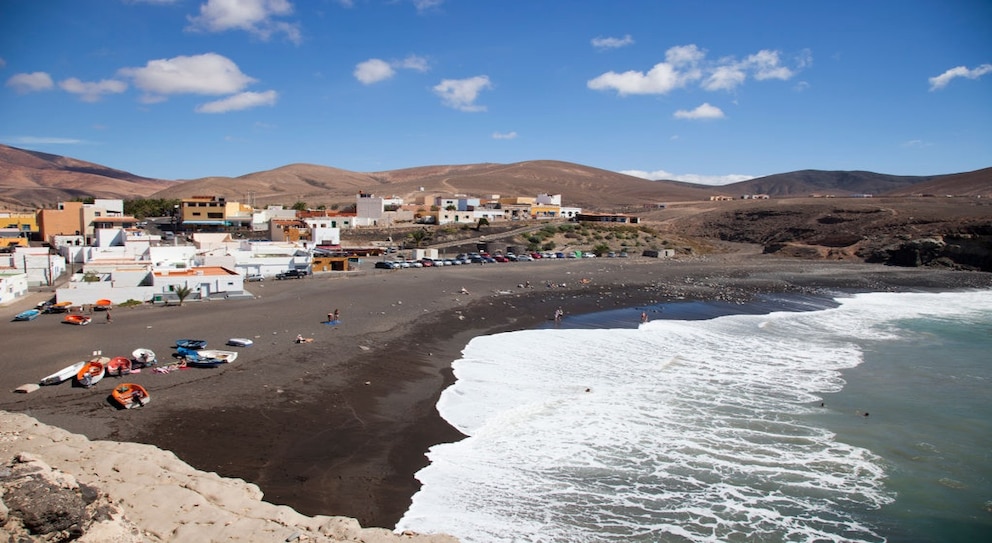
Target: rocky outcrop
[{"x": 58, "y": 486}]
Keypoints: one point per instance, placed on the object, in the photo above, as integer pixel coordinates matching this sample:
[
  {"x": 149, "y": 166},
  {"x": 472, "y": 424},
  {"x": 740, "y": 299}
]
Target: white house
[
  {"x": 321, "y": 231},
  {"x": 260, "y": 219},
  {"x": 13, "y": 285},
  {"x": 40, "y": 265}
]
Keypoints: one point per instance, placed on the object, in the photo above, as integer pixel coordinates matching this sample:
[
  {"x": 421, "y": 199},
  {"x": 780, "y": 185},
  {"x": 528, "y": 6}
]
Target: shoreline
[{"x": 340, "y": 426}]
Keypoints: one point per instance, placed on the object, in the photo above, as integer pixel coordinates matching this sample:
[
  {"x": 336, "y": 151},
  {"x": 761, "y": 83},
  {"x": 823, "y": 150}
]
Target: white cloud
[
  {"x": 244, "y": 100},
  {"x": 3, "y": 62},
  {"x": 37, "y": 140},
  {"x": 92, "y": 91},
  {"x": 424, "y": 5},
  {"x": 209, "y": 73},
  {"x": 714, "y": 180},
  {"x": 414, "y": 62},
  {"x": 504, "y": 135},
  {"x": 661, "y": 79},
  {"x": 36, "y": 81},
  {"x": 943, "y": 79},
  {"x": 373, "y": 71},
  {"x": 916, "y": 144},
  {"x": 687, "y": 63},
  {"x": 705, "y": 111},
  {"x": 765, "y": 65},
  {"x": 462, "y": 93},
  {"x": 725, "y": 78},
  {"x": 612, "y": 43},
  {"x": 253, "y": 16}
]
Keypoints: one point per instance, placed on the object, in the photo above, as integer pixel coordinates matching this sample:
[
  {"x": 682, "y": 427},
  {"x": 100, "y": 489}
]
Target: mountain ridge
[{"x": 33, "y": 179}]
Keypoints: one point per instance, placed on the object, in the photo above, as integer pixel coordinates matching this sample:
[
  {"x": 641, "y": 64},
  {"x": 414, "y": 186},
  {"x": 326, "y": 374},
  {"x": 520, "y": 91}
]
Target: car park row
[{"x": 483, "y": 258}]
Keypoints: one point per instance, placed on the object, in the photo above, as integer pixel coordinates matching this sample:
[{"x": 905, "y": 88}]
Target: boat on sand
[
  {"x": 226, "y": 356},
  {"x": 191, "y": 343},
  {"x": 78, "y": 320},
  {"x": 92, "y": 371},
  {"x": 130, "y": 395},
  {"x": 60, "y": 307},
  {"x": 143, "y": 357},
  {"x": 199, "y": 359},
  {"x": 103, "y": 305},
  {"x": 63, "y": 374},
  {"x": 119, "y": 365},
  {"x": 29, "y": 315}
]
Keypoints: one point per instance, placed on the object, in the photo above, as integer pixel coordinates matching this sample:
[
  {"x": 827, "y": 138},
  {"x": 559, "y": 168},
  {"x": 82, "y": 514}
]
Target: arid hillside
[
  {"x": 579, "y": 185},
  {"x": 31, "y": 180},
  {"x": 908, "y": 231}
]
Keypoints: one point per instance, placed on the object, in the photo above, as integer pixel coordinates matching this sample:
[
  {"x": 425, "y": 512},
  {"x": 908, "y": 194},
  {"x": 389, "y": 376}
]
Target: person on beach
[
  {"x": 559, "y": 314},
  {"x": 109, "y": 319},
  {"x": 337, "y": 315},
  {"x": 644, "y": 317}
]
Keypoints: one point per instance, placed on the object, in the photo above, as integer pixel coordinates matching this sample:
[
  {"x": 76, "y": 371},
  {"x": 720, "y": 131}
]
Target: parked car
[
  {"x": 292, "y": 274},
  {"x": 428, "y": 263},
  {"x": 253, "y": 277},
  {"x": 525, "y": 258},
  {"x": 385, "y": 265},
  {"x": 501, "y": 258}
]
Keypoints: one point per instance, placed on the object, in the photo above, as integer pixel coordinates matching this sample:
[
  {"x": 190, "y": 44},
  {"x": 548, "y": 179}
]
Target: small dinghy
[
  {"x": 92, "y": 371},
  {"x": 29, "y": 315},
  {"x": 78, "y": 320},
  {"x": 60, "y": 307},
  {"x": 143, "y": 357},
  {"x": 103, "y": 305},
  {"x": 63, "y": 374},
  {"x": 240, "y": 342},
  {"x": 119, "y": 365},
  {"x": 225, "y": 356},
  {"x": 192, "y": 344},
  {"x": 130, "y": 395}
]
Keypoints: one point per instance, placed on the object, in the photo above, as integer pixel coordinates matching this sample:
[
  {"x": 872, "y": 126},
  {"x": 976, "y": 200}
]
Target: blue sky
[{"x": 702, "y": 91}]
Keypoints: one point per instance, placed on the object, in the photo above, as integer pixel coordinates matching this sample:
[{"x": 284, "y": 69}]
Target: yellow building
[{"x": 204, "y": 213}]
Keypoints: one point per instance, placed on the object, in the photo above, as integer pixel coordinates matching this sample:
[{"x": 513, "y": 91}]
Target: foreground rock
[{"x": 59, "y": 486}]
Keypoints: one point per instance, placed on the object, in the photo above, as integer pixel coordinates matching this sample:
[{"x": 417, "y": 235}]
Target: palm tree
[
  {"x": 183, "y": 292},
  {"x": 419, "y": 237}
]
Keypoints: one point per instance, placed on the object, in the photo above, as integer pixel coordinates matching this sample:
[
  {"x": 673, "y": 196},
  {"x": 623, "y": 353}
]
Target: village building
[
  {"x": 213, "y": 214},
  {"x": 13, "y": 284}
]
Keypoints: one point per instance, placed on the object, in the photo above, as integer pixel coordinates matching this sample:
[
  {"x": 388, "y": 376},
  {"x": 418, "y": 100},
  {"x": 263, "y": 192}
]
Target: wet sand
[{"x": 339, "y": 426}]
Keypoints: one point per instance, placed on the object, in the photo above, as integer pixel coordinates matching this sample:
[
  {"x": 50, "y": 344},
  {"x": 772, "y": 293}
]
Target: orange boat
[
  {"x": 119, "y": 365},
  {"x": 80, "y": 320},
  {"x": 92, "y": 371},
  {"x": 60, "y": 307},
  {"x": 130, "y": 395},
  {"x": 103, "y": 304}
]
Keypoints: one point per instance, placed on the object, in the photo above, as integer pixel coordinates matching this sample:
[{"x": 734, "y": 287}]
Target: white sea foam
[{"x": 675, "y": 431}]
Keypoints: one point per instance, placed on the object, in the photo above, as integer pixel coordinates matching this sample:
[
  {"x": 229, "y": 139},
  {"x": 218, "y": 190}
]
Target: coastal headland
[{"x": 339, "y": 426}]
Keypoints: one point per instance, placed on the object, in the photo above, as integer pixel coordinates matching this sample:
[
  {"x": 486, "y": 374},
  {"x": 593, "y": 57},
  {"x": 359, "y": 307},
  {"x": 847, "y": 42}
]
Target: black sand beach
[{"x": 339, "y": 426}]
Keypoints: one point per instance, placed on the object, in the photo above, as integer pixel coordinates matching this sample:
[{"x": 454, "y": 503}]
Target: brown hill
[
  {"x": 976, "y": 183},
  {"x": 579, "y": 185},
  {"x": 805, "y": 183},
  {"x": 31, "y": 180}
]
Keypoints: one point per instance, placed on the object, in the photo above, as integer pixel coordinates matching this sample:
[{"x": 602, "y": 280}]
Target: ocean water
[{"x": 868, "y": 418}]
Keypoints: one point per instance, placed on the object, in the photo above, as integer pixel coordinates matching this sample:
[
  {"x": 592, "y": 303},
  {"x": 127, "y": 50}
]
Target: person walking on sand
[
  {"x": 109, "y": 318},
  {"x": 559, "y": 314},
  {"x": 337, "y": 315},
  {"x": 644, "y": 317}
]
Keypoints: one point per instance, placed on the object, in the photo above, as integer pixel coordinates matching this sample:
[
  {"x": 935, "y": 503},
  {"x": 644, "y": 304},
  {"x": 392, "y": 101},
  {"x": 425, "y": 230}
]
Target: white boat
[
  {"x": 63, "y": 374},
  {"x": 214, "y": 354},
  {"x": 92, "y": 371},
  {"x": 240, "y": 342},
  {"x": 143, "y": 357}
]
